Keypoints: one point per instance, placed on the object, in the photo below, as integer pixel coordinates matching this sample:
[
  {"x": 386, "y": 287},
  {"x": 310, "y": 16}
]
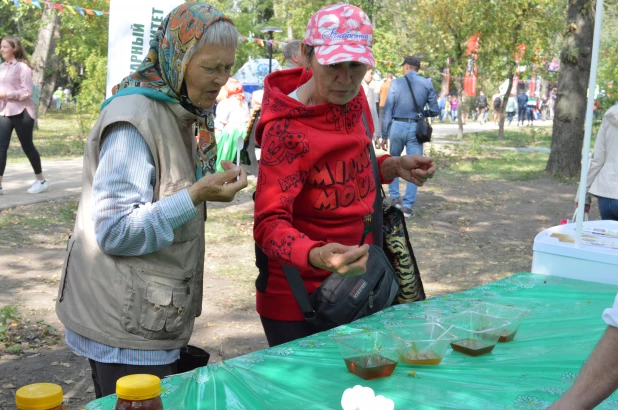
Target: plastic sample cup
[
  {"x": 370, "y": 355},
  {"x": 513, "y": 314},
  {"x": 476, "y": 334},
  {"x": 428, "y": 342}
]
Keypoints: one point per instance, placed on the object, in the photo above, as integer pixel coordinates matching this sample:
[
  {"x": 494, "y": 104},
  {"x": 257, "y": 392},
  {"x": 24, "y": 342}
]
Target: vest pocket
[
  {"x": 154, "y": 310},
  {"x": 178, "y": 312},
  {"x": 154, "y": 306}
]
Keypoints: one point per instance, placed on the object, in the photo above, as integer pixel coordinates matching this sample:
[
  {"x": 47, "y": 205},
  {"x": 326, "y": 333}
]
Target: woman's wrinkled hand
[
  {"x": 219, "y": 187},
  {"x": 413, "y": 168},
  {"x": 347, "y": 261}
]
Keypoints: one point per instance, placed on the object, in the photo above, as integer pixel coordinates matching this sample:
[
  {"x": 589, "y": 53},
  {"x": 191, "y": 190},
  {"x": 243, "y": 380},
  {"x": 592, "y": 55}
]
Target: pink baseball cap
[{"x": 341, "y": 33}]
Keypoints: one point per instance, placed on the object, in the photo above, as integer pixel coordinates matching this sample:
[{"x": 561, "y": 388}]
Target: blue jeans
[
  {"x": 453, "y": 115},
  {"x": 403, "y": 134},
  {"x": 608, "y": 208}
]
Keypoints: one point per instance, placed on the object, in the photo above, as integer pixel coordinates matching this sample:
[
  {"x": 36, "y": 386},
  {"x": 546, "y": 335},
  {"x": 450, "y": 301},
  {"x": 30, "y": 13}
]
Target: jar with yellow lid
[
  {"x": 40, "y": 396},
  {"x": 139, "y": 391}
]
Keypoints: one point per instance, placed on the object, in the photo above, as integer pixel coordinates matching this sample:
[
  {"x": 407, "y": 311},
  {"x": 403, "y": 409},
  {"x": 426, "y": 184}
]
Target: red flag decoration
[
  {"x": 89, "y": 12},
  {"x": 473, "y": 44},
  {"x": 59, "y": 7},
  {"x": 519, "y": 54},
  {"x": 260, "y": 42}
]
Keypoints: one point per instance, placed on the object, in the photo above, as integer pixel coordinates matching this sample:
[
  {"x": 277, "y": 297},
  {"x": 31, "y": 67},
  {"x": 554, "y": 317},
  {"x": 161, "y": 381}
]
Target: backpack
[{"x": 497, "y": 102}]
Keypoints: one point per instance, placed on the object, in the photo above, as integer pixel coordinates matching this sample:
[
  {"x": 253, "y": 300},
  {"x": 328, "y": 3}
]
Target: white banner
[{"x": 131, "y": 25}]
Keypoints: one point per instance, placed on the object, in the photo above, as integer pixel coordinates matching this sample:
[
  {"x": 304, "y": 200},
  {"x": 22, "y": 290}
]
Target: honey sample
[
  {"x": 472, "y": 347},
  {"x": 370, "y": 367},
  {"x": 414, "y": 358},
  {"x": 507, "y": 338}
]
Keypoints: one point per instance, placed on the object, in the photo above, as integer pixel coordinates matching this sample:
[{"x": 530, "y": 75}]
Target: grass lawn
[
  {"x": 520, "y": 137},
  {"x": 61, "y": 134}
]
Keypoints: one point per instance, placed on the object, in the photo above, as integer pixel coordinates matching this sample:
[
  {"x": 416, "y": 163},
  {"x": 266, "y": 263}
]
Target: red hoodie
[{"x": 315, "y": 186}]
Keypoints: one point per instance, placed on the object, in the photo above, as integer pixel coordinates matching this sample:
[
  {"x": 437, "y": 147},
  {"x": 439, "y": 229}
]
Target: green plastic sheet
[{"x": 530, "y": 372}]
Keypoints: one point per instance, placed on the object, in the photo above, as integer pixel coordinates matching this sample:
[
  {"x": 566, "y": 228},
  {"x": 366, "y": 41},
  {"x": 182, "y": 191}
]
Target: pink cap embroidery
[{"x": 341, "y": 33}]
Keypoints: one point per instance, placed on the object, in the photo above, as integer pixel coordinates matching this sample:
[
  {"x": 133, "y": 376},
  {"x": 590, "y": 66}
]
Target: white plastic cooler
[{"x": 589, "y": 262}]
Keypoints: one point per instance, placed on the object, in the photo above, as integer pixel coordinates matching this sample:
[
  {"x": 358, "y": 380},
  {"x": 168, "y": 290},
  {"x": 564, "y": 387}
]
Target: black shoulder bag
[
  {"x": 423, "y": 129},
  {"x": 341, "y": 300}
]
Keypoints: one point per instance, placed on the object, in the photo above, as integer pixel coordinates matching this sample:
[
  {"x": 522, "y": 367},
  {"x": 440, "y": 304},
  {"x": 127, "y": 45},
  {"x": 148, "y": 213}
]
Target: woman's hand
[
  {"x": 412, "y": 168},
  {"x": 348, "y": 261},
  {"x": 586, "y": 207},
  {"x": 219, "y": 187}
]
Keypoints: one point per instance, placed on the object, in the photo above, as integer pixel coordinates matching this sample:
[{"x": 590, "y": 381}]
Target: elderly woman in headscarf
[
  {"x": 231, "y": 122},
  {"x": 131, "y": 285}
]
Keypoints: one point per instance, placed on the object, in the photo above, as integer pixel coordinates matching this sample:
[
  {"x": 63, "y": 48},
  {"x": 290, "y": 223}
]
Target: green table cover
[{"x": 528, "y": 373}]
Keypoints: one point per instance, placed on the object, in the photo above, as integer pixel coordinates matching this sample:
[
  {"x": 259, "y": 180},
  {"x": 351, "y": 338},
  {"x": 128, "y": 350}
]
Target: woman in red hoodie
[{"x": 315, "y": 181}]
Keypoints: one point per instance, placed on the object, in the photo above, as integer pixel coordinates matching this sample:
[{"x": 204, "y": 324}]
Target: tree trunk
[
  {"x": 460, "y": 129},
  {"x": 51, "y": 75},
  {"x": 45, "y": 45},
  {"x": 505, "y": 101},
  {"x": 570, "y": 110}
]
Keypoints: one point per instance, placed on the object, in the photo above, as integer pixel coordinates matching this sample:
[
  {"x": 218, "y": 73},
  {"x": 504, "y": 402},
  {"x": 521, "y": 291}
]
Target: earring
[{"x": 307, "y": 69}]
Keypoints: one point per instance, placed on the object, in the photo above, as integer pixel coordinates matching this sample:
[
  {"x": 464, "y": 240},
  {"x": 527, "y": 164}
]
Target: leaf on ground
[{"x": 8, "y": 386}]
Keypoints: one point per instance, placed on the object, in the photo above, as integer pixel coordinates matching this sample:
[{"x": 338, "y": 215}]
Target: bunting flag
[{"x": 60, "y": 7}]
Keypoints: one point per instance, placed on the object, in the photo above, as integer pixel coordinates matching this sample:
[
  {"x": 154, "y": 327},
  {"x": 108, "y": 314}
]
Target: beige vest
[{"x": 147, "y": 302}]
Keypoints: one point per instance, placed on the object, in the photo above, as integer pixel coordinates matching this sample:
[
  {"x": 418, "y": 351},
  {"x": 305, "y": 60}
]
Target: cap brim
[{"x": 343, "y": 53}]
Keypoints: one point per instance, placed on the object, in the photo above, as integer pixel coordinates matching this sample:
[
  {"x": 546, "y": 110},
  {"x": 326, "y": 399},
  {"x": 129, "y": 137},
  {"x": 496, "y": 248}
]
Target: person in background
[
  {"x": 292, "y": 55},
  {"x": 481, "y": 107},
  {"x": 67, "y": 97},
  {"x": 447, "y": 109},
  {"x": 231, "y": 122},
  {"x": 598, "y": 379},
  {"x": 530, "y": 108},
  {"x": 132, "y": 282},
  {"x": 442, "y": 107},
  {"x": 454, "y": 106},
  {"x": 602, "y": 181},
  {"x": 522, "y": 108},
  {"x": 497, "y": 102},
  {"x": 58, "y": 97},
  {"x": 511, "y": 109},
  {"x": 308, "y": 215},
  {"x": 400, "y": 118},
  {"x": 17, "y": 109},
  {"x": 371, "y": 99},
  {"x": 383, "y": 94}
]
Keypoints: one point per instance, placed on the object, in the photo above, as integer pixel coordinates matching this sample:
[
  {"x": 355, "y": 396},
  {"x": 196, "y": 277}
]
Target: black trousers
[
  {"x": 105, "y": 375},
  {"x": 521, "y": 114},
  {"x": 23, "y": 125},
  {"x": 279, "y": 332}
]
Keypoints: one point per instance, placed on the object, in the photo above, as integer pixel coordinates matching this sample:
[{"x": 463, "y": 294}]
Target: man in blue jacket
[
  {"x": 399, "y": 123},
  {"x": 522, "y": 101}
]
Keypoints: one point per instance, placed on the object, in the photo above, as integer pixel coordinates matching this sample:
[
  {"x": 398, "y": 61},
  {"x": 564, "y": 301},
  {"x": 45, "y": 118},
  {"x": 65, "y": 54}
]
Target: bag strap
[
  {"x": 292, "y": 274},
  {"x": 378, "y": 215},
  {"x": 299, "y": 291},
  {"x": 420, "y": 114}
]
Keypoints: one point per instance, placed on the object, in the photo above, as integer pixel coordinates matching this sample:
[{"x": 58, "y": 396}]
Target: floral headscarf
[{"x": 161, "y": 75}]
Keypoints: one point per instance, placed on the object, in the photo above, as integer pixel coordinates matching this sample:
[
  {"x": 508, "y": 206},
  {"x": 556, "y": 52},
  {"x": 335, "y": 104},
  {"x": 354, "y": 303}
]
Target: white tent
[
  {"x": 253, "y": 72},
  {"x": 588, "y": 130}
]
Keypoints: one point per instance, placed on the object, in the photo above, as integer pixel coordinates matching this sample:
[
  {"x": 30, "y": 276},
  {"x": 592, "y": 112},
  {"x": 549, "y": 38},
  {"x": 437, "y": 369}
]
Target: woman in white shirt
[
  {"x": 603, "y": 174},
  {"x": 231, "y": 121}
]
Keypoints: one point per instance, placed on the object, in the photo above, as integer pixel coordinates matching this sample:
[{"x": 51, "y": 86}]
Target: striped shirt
[{"x": 128, "y": 223}]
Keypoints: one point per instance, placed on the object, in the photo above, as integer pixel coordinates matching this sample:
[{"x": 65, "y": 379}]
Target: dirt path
[{"x": 467, "y": 232}]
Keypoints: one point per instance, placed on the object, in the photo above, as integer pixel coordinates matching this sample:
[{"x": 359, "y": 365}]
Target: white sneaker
[{"x": 38, "y": 187}]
